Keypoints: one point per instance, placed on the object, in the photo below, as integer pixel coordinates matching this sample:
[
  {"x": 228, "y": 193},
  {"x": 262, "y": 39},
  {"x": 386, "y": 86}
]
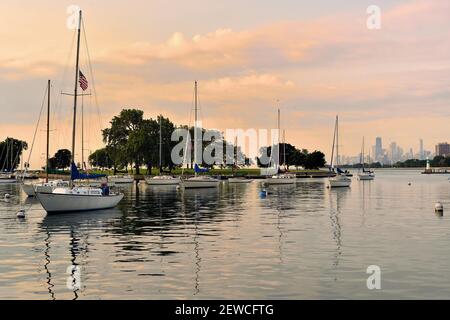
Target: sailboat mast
[
  {"x": 160, "y": 143},
  {"x": 337, "y": 141},
  {"x": 82, "y": 133},
  {"x": 334, "y": 143},
  {"x": 76, "y": 90},
  {"x": 195, "y": 124},
  {"x": 278, "y": 125},
  {"x": 48, "y": 132}
]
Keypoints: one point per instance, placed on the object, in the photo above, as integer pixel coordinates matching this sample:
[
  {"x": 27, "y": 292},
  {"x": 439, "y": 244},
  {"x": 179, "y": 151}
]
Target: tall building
[
  {"x": 443, "y": 149},
  {"x": 421, "y": 153},
  {"x": 378, "y": 149}
]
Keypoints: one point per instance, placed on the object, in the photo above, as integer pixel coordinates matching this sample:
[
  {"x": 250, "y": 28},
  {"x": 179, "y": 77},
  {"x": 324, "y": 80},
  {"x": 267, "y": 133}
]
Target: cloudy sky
[{"x": 317, "y": 58}]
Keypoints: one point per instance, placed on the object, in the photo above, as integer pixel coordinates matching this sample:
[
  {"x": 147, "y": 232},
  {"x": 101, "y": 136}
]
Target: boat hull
[
  {"x": 239, "y": 180},
  {"x": 29, "y": 190},
  {"x": 273, "y": 181},
  {"x": 8, "y": 181},
  {"x": 61, "y": 203},
  {"x": 366, "y": 177},
  {"x": 162, "y": 182},
  {"x": 192, "y": 184},
  {"x": 340, "y": 183}
]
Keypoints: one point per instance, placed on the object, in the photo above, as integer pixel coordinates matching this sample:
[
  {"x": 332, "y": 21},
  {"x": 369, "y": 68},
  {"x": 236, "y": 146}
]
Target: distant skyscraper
[
  {"x": 443, "y": 149},
  {"x": 378, "y": 149},
  {"x": 421, "y": 154}
]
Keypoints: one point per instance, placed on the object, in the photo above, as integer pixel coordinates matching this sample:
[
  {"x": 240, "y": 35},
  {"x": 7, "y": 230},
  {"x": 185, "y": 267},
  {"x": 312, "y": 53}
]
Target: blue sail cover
[
  {"x": 339, "y": 171},
  {"x": 197, "y": 169},
  {"x": 77, "y": 175}
]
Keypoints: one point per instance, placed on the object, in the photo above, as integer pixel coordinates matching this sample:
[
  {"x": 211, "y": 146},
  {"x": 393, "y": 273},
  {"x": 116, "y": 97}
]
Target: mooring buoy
[
  {"x": 21, "y": 214},
  {"x": 438, "y": 207}
]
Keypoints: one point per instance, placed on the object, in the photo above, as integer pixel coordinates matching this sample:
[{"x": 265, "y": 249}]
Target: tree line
[{"x": 133, "y": 141}]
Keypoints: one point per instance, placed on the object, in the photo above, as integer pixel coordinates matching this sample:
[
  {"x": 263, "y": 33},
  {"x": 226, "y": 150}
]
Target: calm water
[{"x": 300, "y": 242}]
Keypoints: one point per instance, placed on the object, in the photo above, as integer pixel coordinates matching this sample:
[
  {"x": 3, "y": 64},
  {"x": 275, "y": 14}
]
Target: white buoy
[
  {"x": 21, "y": 214},
  {"x": 7, "y": 196},
  {"x": 438, "y": 207}
]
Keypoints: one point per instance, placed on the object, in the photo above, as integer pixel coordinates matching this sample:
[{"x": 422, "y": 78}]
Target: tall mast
[
  {"x": 278, "y": 125},
  {"x": 160, "y": 144},
  {"x": 48, "y": 132},
  {"x": 82, "y": 133},
  {"x": 334, "y": 143},
  {"x": 76, "y": 90},
  {"x": 337, "y": 141},
  {"x": 195, "y": 124},
  {"x": 362, "y": 154},
  {"x": 284, "y": 147}
]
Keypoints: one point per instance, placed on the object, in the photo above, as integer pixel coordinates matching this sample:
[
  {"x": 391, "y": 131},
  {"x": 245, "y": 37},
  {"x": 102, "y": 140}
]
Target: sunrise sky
[{"x": 316, "y": 57}]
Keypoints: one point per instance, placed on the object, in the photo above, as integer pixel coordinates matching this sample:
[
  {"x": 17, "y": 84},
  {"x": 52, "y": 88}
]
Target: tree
[
  {"x": 10, "y": 153},
  {"x": 126, "y": 124},
  {"x": 61, "y": 160},
  {"x": 315, "y": 160},
  {"x": 101, "y": 159}
]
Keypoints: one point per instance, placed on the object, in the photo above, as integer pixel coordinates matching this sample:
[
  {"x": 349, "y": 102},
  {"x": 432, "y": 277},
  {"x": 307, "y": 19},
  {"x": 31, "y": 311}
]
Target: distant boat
[
  {"x": 364, "y": 174},
  {"x": 280, "y": 178},
  {"x": 341, "y": 179},
  {"x": 73, "y": 199},
  {"x": 162, "y": 180},
  {"x": 198, "y": 181},
  {"x": 121, "y": 179},
  {"x": 44, "y": 187}
]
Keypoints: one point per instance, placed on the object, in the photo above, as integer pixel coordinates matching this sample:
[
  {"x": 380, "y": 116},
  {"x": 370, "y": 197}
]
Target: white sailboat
[
  {"x": 198, "y": 181},
  {"x": 280, "y": 178},
  {"x": 162, "y": 180},
  {"x": 364, "y": 174},
  {"x": 78, "y": 198},
  {"x": 121, "y": 179},
  {"x": 340, "y": 180}
]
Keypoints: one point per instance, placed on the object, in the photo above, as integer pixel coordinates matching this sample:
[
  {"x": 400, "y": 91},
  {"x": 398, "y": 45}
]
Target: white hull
[
  {"x": 29, "y": 190},
  {"x": 239, "y": 180},
  {"x": 281, "y": 179},
  {"x": 166, "y": 181},
  {"x": 366, "y": 176},
  {"x": 340, "y": 182},
  {"x": 47, "y": 187},
  {"x": 60, "y": 203},
  {"x": 200, "y": 182},
  {"x": 120, "y": 180},
  {"x": 7, "y": 181}
]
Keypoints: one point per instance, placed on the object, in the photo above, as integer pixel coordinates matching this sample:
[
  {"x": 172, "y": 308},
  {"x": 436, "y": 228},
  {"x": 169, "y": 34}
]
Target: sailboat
[
  {"x": 198, "y": 181},
  {"x": 341, "y": 179},
  {"x": 162, "y": 180},
  {"x": 280, "y": 178},
  {"x": 364, "y": 174},
  {"x": 30, "y": 189},
  {"x": 234, "y": 178},
  {"x": 70, "y": 199}
]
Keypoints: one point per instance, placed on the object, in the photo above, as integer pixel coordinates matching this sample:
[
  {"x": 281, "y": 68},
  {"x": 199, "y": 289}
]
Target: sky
[{"x": 313, "y": 60}]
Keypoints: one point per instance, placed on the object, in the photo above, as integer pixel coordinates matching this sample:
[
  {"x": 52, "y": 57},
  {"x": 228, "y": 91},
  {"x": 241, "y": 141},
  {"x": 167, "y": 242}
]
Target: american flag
[{"x": 83, "y": 81}]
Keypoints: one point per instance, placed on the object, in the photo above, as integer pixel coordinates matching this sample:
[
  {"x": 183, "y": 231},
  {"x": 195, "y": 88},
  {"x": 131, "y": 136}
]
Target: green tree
[
  {"x": 101, "y": 159},
  {"x": 61, "y": 160},
  {"x": 315, "y": 160},
  {"x": 10, "y": 153}
]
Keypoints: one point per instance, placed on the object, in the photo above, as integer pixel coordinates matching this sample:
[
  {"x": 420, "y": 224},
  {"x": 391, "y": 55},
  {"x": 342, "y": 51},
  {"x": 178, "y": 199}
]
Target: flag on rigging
[{"x": 83, "y": 81}]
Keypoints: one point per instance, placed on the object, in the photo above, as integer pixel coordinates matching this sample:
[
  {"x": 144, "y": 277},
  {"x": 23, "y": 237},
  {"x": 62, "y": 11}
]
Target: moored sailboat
[
  {"x": 198, "y": 181},
  {"x": 78, "y": 198},
  {"x": 162, "y": 180},
  {"x": 340, "y": 179},
  {"x": 364, "y": 174},
  {"x": 280, "y": 178}
]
